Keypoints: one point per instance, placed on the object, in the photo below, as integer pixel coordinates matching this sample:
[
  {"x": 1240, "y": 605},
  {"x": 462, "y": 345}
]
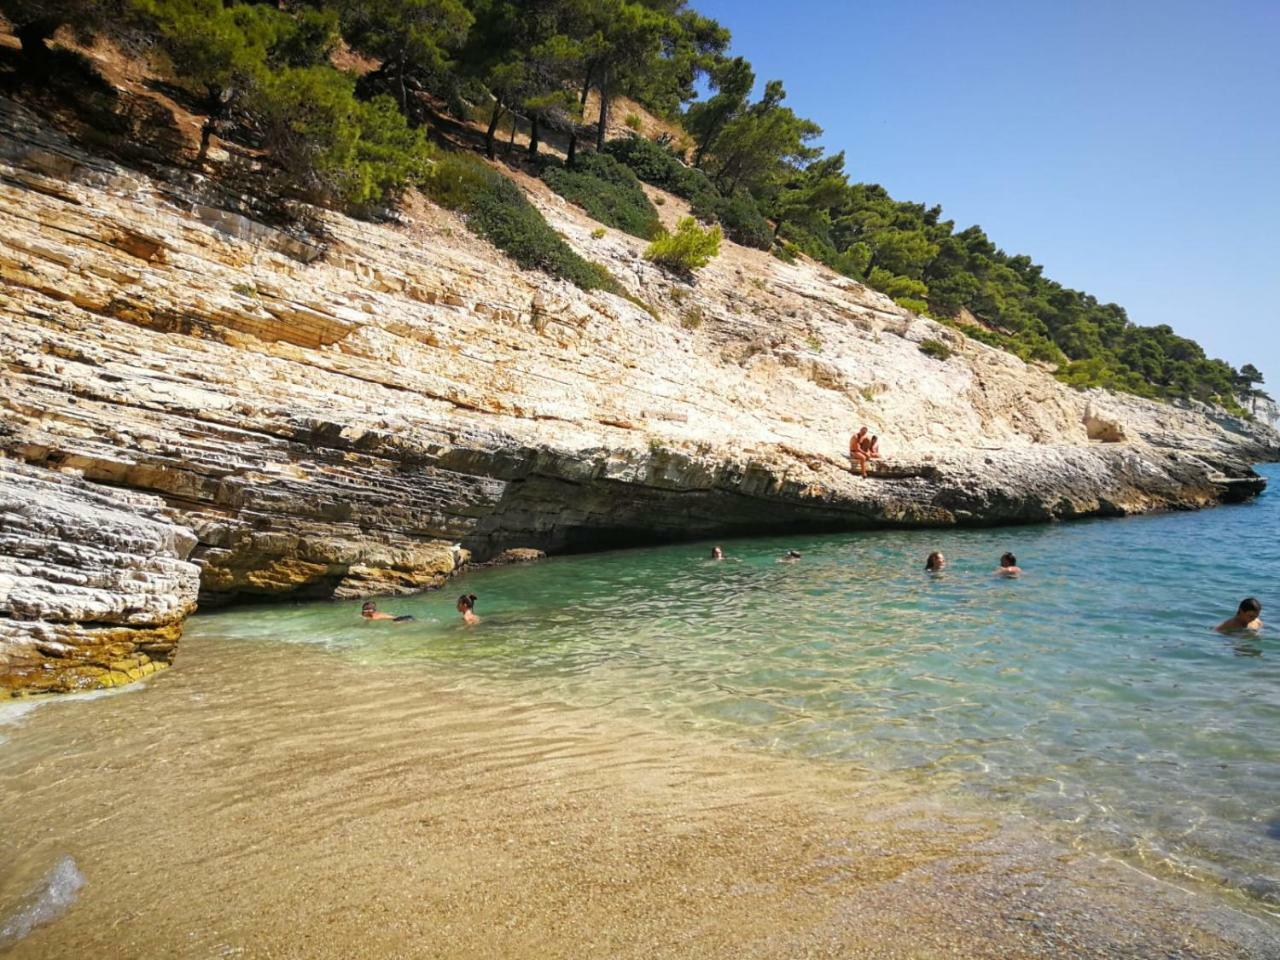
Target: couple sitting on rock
[{"x": 863, "y": 449}]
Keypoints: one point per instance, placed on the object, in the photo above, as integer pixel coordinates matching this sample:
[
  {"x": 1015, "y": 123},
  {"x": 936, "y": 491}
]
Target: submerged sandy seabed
[{"x": 279, "y": 801}]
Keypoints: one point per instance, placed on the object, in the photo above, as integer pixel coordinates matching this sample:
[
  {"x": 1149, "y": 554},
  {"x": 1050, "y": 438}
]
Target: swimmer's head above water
[
  {"x": 717, "y": 553},
  {"x": 369, "y": 611},
  {"x": 1248, "y": 617},
  {"x": 935, "y": 562},
  {"x": 466, "y": 606},
  {"x": 1009, "y": 566}
]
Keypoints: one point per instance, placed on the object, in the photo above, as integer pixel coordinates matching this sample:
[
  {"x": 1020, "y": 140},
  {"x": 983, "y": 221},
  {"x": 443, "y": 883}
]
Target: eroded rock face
[
  {"x": 336, "y": 425},
  {"x": 94, "y": 582}
]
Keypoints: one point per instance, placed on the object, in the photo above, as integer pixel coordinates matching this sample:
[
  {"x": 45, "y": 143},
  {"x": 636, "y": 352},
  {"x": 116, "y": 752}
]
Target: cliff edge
[{"x": 334, "y": 420}]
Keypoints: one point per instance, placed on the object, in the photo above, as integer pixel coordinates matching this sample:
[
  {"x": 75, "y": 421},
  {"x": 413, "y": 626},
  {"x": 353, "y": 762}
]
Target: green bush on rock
[
  {"x": 935, "y": 348},
  {"x": 656, "y": 165},
  {"x": 739, "y": 215},
  {"x": 497, "y": 210},
  {"x": 688, "y": 249},
  {"x": 608, "y": 191}
]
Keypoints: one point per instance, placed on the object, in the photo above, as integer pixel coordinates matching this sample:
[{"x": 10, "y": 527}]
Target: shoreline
[
  {"x": 399, "y": 812},
  {"x": 88, "y": 644}
]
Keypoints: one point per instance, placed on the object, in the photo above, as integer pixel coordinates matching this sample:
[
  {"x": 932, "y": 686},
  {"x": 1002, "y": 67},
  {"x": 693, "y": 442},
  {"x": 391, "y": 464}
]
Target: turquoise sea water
[{"x": 1090, "y": 693}]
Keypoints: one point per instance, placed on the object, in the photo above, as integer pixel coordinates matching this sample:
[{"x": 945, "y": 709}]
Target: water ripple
[{"x": 1090, "y": 691}]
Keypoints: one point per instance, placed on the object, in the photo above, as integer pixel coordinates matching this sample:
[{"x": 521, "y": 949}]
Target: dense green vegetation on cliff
[{"x": 265, "y": 76}]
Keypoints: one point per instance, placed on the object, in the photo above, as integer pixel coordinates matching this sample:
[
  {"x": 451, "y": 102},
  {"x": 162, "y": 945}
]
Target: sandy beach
[{"x": 281, "y": 802}]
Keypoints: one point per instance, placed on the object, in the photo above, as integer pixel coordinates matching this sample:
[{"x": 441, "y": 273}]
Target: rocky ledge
[{"x": 355, "y": 419}]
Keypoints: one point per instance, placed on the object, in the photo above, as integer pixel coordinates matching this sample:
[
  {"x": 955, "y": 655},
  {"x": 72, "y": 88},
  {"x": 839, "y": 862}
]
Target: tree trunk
[
  {"x": 206, "y": 131},
  {"x": 493, "y": 128},
  {"x": 533, "y": 135},
  {"x": 511, "y": 140},
  {"x": 33, "y": 36},
  {"x": 582, "y": 103},
  {"x": 404, "y": 93},
  {"x": 603, "y": 87},
  {"x": 215, "y": 105}
]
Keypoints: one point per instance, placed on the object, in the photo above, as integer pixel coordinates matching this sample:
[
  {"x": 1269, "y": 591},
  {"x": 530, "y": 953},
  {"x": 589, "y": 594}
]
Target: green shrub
[
  {"x": 1096, "y": 372},
  {"x": 691, "y": 319},
  {"x": 597, "y": 233},
  {"x": 1029, "y": 347},
  {"x": 608, "y": 191},
  {"x": 657, "y": 165},
  {"x": 331, "y": 147},
  {"x": 739, "y": 215},
  {"x": 689, "y": 248},
  {"x": 935, "y": 348},
  {"x": 497, "y": 210},
  {"x": 896, "y": 286},
  {"x": 634, "y": 122},
  {"x": 785, "y": 251},
  {"x": 745, "y": 224}
]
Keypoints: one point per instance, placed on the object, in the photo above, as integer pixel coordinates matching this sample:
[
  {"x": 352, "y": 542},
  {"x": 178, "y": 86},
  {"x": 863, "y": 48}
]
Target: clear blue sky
[{"x": 1131, "y": 147}]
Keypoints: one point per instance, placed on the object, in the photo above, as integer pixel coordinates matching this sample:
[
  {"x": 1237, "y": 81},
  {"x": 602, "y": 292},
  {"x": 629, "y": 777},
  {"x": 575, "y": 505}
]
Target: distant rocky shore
[{"x": 198, "y": 407}]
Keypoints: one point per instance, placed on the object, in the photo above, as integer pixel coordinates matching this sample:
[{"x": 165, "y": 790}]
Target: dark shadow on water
[{"x": 1246, "y": 648}]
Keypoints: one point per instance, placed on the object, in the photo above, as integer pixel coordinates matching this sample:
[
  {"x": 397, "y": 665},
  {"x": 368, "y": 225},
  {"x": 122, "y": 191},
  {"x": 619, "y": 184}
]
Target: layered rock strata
[
  {"x": 94, "y": 582},
  {"x": 337, "y": 423}
]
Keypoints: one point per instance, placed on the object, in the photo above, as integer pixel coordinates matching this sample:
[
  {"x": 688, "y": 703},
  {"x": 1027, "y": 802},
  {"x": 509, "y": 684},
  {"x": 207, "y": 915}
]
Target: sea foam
[{"x": 50, "y": 899}]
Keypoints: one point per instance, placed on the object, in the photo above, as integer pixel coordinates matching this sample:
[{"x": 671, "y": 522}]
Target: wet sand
[{"x": 277, "y": 801}]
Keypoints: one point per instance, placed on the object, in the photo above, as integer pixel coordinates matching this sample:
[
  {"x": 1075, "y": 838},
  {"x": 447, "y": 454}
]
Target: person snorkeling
[
  {"x": 467, "y": 607},
  {"x": 370, "y": 611},
  {"x": 1248, "y": 617}
]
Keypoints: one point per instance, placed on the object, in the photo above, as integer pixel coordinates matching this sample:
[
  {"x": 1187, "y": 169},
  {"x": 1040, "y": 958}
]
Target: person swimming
[
  {"x": 791, "y": 556},
  {"x": 717, "y": 553},
  {"x": 935, "y": 562},
  {"x": 1246, "y": 618},
  {"x": 467, "y": 606},
  {"x": 370, "y": 611},
  {"x": 1009, "y": 566}
]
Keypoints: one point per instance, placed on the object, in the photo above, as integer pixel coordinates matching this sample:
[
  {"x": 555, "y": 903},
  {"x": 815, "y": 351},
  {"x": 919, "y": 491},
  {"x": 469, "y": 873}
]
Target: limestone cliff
[
  {"x": 94, "y": 584},
  {"x": 331, "y": 420}
]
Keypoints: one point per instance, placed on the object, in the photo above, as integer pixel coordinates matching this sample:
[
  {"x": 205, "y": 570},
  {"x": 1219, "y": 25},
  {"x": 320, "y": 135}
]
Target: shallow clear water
[{"x": 1091, "y": 693}]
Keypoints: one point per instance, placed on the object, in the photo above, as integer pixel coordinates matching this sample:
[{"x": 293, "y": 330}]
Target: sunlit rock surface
[
  {"x": 333, "y": 420},
  {"x": 94, "y": 584}
]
